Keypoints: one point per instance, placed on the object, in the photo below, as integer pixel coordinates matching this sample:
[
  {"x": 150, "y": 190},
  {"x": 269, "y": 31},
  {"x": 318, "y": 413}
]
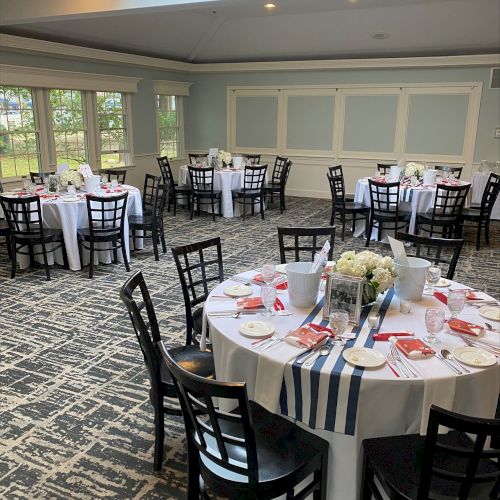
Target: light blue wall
[
  {"x": 206, "y": 112},
  {"x": 143, "y": 104}
]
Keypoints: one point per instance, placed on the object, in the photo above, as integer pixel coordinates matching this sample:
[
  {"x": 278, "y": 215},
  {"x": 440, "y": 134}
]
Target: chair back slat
[
  {"x": 166, "y": 171},
  {"x": 115, "y": 174},
  {"x": 337, "y": 189},
  {"x": 202, "y": 179},
  {"x": 198, "y": 265},
  {"x": 384, "y": 197},
  {"x": 449, "y": 200},
  {"x": 194, "y": 158},
  {"x": 385, "y": 168},
  {"x": 490, "y": 194},
  {"x": 23, "y": 215},
  {"x": 471, "y": 456},
  {"x": 150, "y": 183},
  {"x": 437, "y": 250},
  {"x": 456, "y": 171},
  {"x": 106, "y": 214},
  {"x": 335, "y": 170},
  {"x": 305, "y": 239},
  {"x": 279, "y": 169},
  {"x": 252, "y": 159},
  {"x": 221, "y": 441},
  {"x": 254, "y": 178}
]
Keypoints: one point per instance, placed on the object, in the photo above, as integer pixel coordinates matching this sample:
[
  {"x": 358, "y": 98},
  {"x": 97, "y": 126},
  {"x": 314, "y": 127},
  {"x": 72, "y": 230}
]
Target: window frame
[{"x": 179, "y": 105}]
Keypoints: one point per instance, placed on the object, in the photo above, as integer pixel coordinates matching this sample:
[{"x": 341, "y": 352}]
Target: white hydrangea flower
[{"x": 383, "y": 277}]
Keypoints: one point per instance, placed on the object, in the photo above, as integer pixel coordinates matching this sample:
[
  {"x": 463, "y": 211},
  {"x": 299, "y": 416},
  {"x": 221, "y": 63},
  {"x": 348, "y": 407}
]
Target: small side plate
[
  {"x": 474, "y": 356},
  {"x": 363, "y": 356}
]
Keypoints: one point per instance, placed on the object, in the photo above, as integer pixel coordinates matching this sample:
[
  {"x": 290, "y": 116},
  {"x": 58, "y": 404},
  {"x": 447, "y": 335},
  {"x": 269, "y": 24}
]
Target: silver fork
[
  {"x": 406, "y": 365},
  {"x": 482, "y": 345},
  {"x": 397, "y": 364}
]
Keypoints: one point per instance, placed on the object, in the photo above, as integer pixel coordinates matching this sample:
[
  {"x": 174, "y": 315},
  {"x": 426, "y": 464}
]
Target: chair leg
[
  {"x": 154, "y": 237},
  {"x": 282, "y": 201},
  {"x": 193, "y": 486},
  {"x": 175, "y": 204},
  {"x": 353, "y": 222},
  {"x": 124, "y": 251},
  {"x": 9, "y": 246},
  {"x": 369, "y": 232},
  {"x": 162, "y": 238},
  {"x": 45, "y": 261},
  {"x": 213, "y": 209},
  {"x": 192, "y": 208},
  {"x": 91, "y": 263},
  {"x": 159, "y": 435},
  {"x": 487, "y": 232},
  {"x": 366, "y": 480},
  {"x": 64, "y": 253},
  {"x": 262, "y": 207},
  {"x": 478, "y": 236},
  {"x": 14, "y": 258}
]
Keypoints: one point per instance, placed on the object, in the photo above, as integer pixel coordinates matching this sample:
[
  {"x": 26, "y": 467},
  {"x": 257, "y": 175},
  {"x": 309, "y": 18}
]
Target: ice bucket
[
  {"x": 395, "y": 172},
  {"x": 92, "y": 184},
  {"x": 429, "y": 177},
  {"x": 410, "y": 280},
  {"x": 303, "y": 286},
  {"x": 237, "y": 161}
]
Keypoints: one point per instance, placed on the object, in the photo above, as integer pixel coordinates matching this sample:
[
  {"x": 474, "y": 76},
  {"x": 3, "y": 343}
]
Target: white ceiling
[{"x": 242, "y": 30}]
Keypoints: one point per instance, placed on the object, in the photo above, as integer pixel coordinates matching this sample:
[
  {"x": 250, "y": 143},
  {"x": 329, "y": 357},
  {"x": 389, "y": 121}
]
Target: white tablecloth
[
  {"x": 71, "y": 216},
  {"x": 224, "y": 180},
  {"x": 479, "y": 181},
  {"x": 344, "y": 404}
]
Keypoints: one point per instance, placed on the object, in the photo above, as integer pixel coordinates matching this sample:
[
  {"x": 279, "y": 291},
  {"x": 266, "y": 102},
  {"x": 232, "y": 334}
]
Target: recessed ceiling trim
[{"x": 57, "y": 49}]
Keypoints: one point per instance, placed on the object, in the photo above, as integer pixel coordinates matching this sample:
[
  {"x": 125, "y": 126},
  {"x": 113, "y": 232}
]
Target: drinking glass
[
  {"x": 434, "y": 322},
  {"x": 339, "y": 319},
  {"x": 71, "y": 189},
  {"x": 268, "y": 272},
  {"x": 456, "y": 302},
  {"x": 433, "y": 277},
  {"x": 268, "y": 295},
  {"x": 104, "y": 179}
]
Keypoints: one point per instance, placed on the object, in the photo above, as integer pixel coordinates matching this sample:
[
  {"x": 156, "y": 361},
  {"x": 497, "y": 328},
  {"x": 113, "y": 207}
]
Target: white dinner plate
[
  {"x": 256, "y": 329},
  {"x": 280, "y": 268},
  {"x": 474, "y": 356},
  {"x": 442, "y": 283},
  {"x": 238, "y": 290},
  {"x": 490, "y": 312},
  {"x": 363, "y": 356}
]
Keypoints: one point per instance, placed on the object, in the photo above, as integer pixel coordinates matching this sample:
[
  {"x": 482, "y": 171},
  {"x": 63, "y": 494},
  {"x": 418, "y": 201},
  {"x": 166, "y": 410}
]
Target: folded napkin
[
  {"x": 320, "y": 328},
  {"x": 249, "y": 303},
  {"x": 441, "y": 297},
  {"x": 383, "y": 336},
  {"x": 461, "y": 326},
  {"x": 282, "y": 286},
  {"x": 414, "y": 348},
  {"x": 305, "y": 337}
]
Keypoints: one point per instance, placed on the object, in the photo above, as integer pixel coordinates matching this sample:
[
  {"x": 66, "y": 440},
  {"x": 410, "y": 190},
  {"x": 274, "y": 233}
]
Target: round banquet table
[
  {"x": 71, "y": 216},
  {"x": 342, "y": 403},
  {"x": 417, "y": 199},
  {"x": 225, "y": 180}
]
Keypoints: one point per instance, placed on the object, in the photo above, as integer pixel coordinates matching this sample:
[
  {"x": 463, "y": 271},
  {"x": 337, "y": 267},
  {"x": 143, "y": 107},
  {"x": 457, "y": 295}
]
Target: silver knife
[
  {"x": 445, "y": 361},
  {"x": 310, "y": 355}
]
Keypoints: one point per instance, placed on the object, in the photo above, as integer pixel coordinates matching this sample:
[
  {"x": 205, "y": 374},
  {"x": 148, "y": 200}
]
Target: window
[
  {"x": 68, "y": 126},
  {"x": 169, "y": 119},
  {"x": 112, "y": 119},
  {"x": 19, "y": 141}
]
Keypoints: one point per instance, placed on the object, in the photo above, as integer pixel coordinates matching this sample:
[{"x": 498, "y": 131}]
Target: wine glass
[
  {"x": 433, "y": 277},
  {"x": 268, "y": 273},
  {"x": 339, "y": 319},
  {"x": 268, "y": 295},
  {"x": 434, "y": 322},
  {"x": 456, "y": 302}
]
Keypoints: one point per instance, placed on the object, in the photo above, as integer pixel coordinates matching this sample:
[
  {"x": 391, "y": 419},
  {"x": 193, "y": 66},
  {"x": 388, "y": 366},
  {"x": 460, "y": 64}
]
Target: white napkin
[{"x": 270, "y": 369}]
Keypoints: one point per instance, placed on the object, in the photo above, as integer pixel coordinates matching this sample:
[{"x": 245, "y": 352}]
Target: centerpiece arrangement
[
  {"x": 414, "y": 169},
  {"x": 72, "y": 176},
  {"x": 225, "y": 157},
  {"x": 378, "y": 272}
]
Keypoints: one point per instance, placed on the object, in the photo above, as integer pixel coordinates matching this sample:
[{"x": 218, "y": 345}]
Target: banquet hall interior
[{"x": 138, "y": 138}]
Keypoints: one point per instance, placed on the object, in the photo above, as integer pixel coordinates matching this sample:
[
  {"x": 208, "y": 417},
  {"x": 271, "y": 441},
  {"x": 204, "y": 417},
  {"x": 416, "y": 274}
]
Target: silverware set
[
  {"x": 404, "y": 367},
  {"x": 482, "y": 345}
]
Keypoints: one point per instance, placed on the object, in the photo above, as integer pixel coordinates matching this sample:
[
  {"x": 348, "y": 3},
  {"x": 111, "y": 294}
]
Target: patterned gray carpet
[{"x": 75, "y": 421}]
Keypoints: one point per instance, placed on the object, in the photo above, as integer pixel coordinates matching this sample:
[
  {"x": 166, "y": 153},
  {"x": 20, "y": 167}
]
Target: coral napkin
[
  {"x": 304, "y": 337},
  {"x": 414, "y": 348},
  {"x": 320, "y": 328},
  {"x": 441, "y": 297},
  {"x": 465, "y": 327}
]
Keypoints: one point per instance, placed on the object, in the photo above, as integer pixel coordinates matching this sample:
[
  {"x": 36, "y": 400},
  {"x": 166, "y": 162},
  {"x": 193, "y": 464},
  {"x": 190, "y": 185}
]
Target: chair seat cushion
[
  {"x": 351, "y": 206},
  {"x": 282, "y": 447},
  {"x": 191, "y": 359},
  {"x": 48, "y": 234},
  {"x": 472, "y": 214},
  {"x": 398, "y": 460},
  {"x": 272, "y": 186},
  {"x": 239, "y": 193},
  {"x": 387, "y": 217},
  {"x": 208, "y": 193},
  {"x": 110, "y": 235},
  {"x": 438, "y": 219}
]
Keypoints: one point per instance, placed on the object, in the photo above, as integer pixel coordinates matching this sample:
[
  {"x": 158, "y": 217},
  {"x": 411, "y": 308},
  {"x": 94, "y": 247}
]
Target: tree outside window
[
  {"x": 68, "y": 125},
  {"x": 19, "y": 146},
  {"x": 169, "y": 127}
]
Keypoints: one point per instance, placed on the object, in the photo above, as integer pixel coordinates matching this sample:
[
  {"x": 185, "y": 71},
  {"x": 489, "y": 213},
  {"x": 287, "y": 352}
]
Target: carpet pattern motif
[{"x": 75, "y": 420}]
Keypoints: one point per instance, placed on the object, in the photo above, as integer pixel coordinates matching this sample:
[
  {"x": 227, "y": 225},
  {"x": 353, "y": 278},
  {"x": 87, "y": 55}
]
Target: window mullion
[
  {"x": 91, "y": 123},
  {"x": 43, "y": 123}
]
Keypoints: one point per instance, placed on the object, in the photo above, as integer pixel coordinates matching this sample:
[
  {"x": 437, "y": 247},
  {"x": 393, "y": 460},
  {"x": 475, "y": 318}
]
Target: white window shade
[{"x": 169, "y": 87}]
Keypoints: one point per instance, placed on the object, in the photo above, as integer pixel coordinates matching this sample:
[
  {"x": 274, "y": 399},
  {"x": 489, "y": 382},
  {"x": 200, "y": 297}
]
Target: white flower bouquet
[
  {"x": 224, "y": 156},
  {"x": 72, "y": 176},
  {"x": 414, "y": 169},
  {"x": 378, "y": 271}
]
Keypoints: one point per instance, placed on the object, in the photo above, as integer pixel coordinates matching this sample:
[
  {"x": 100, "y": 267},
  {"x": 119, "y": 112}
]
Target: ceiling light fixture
[
  {"x": 269, "y": 6},
  {"x": 379, "y": 35}
]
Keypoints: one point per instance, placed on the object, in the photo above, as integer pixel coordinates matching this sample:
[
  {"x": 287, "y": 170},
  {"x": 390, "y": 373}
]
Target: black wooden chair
[
  {"x": 440, "y": 251},
  {"x": 40, "y": 178},
  {"x": 252, "y": 191},
  {"x": 151, "y": 222},
  {"x": 114, "y": 175},
  {"x": 304, "y": 239},
  {"x": 26, "y": 231},
  {"x": 202, "y": 190},
  {"x": 199, "y": 266},
  {"x": 480, "y": 216},
  {"x": 5, "y": 230},
  {"x": 337, "y": 170},
  {"x": 343, "y": 210},
  {"x": 385, "y": 211},
  {"x": 148, "y": 191},
  {"x": 162, "y": 394},
  {"x": 175, "y": 192},
  {"x": 249, "y": 453},
  {"x": 455, "y": 171},
  {"x": 384, "y": 168},
  {"x": 454, "y": 466},
  {"x": 444, "y": 220},
  {"x": 195, "y": 158},
  {"x": 106, "y": 217},
  {"x": 278, "y": 182},
  {"x": 252, "y": 159}
]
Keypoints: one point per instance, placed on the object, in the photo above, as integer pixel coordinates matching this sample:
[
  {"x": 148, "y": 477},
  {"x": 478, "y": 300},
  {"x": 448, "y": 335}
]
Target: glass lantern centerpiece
[{"x": 378, "y": 272}]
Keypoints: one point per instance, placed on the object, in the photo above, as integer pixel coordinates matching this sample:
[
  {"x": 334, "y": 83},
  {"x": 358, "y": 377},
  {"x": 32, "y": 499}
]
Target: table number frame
[{"x": 344, "y": 292}]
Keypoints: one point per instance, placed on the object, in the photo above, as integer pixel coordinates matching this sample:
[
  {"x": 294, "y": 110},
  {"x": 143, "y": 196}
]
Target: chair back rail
[
  {"x": 456, "y": 171},
  {"x": 115, "y": 174},
  {"x": 254, "y": 178},
  {"x": 193, "y": 157},
  {"x": 449, "y": 200},
  {"x": 304, "y": 239},
  {"x": 252, "y": 159},
  {"x": 279, "y": 169},
  {"x": 437, "y": 250},
  {"x": 106, "y": 214},
  {"x": 165, "y": 170},
  {"x": 490, "y": 194},
  {"x": 148, "y": 192},
  {"x": 23, "y": 215},
  {"x": 337, "y": 189},
  {"x": 202, "y": 179},
  {"x": 384, "y": 197},
  {"x": 235, "y": 449}
]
